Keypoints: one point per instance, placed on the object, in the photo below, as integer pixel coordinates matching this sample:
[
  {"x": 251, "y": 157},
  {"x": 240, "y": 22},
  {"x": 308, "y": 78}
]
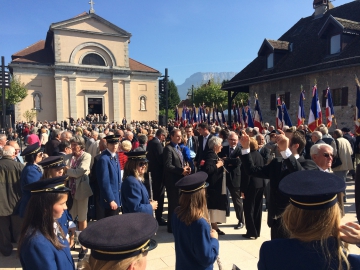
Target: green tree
[
  {"x": 171, "y": 113},
  {"x": 16, "y": 93},
  {"x": 29, "y": 115},
  {"x": 174, "y": 98},
  {"x": 211, "y": 93}
]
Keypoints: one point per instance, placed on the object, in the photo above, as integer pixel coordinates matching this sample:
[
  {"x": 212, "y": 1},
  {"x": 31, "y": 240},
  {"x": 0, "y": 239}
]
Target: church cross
[{"x": 92, "y": 10}]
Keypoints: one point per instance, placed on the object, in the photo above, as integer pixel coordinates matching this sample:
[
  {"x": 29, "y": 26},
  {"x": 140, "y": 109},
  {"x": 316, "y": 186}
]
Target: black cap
[
  {"x": 345, "y": 129},
  {"x": 193, "y": 182},
  {"x": 52, "y": 162},
  {"x": 141, "y": 155},
  {"x": 55, "y": 185},
  {"x": 31, "y": 149},
  {"x": 312, "y": 190},
  {"x": 120, "y": 237},
  {"x": 112, "y": 138}
]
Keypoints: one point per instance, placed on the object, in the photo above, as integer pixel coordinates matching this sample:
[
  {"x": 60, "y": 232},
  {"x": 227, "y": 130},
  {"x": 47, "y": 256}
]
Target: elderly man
[
  {"x": 322, "y": 155},
  {"x": 231, "y": 156},
  {"x": 10, "y": 193},
  {"x": 316, "y": 137},
  {"x": 66, "y": 136},
  {"x": 16, "y": 146},
  {"x": 3, "y": 140},
  {"x": 344, "y": 152}
]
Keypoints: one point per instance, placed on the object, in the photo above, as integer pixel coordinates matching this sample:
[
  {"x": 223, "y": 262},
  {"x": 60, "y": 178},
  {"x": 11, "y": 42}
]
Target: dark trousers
[
  {"x": 109, "y": 212},
  {"x": 9, "y": 225},
  {"x": 159, "y": 194},
  {"x": 237, "y": 201},
  {"x": 173, "y": 201},
  {"x": 253, "y": 210},
  {"x": 277, "y": 230}
]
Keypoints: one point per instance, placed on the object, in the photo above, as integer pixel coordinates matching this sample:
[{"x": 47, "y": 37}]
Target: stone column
[
  {"x": 127, "y": 100},
  {"x": 72, "y": 98},
  {"x": 59, "y": 99},
  {"x": 116, "y": 100}
]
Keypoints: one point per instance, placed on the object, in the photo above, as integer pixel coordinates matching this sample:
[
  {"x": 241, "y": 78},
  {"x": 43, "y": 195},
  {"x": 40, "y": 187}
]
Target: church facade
[{"x": 83, "y": 67}]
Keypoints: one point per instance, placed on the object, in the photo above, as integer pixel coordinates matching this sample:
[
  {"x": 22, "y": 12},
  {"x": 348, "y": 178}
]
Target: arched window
[{"x": 93, "y": 59}]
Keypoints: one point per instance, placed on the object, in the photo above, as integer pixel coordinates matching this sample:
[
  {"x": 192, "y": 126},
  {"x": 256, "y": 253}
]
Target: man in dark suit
[
  {"x": 203, "y": 148},
  {"x": 192, "y": 143},
  {"x": 316, "y": 137},
  {"x": 154, "y": 155},
  {"x": 231, "y": 156},
  {"x": 174, "y": 170},
  {"x": 109, "y": 177},
  {"x": 276, "y": 170}
]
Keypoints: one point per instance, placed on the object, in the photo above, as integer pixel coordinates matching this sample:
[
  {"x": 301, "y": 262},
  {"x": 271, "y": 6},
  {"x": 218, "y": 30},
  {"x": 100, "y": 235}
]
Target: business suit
[
  {"x": 194, "y": 142},
  {"x": 202, "y": 151},
  {"x": 109, "y": 181},
  {"x": 135, "y": 197},
  {"x": 38, "y": 252},
  {"x": 233, "y": 178},
  {"x": 297, "y": 255},
  {"x": 155, "y": 157},
  {"x": 276, "y": 170},
  {"x": 173, "y": 172},
  {"x": 253, "y": 189}
]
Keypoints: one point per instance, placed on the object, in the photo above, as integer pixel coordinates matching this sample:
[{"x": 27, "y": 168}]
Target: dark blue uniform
[
  {"x": 37, "y": 252},
  {"x": 194, "y": 248},
  {"x": 30, "y": 174},
  {"x": 294, "y": 254},
  {"x": 134, "y": 196},
  {"x": 109, "y": 179}
]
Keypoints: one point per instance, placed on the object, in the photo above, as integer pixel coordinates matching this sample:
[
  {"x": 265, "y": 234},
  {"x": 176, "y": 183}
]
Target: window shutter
[
  {"x": 324, "y": 98},
  {"x": 287, "y": 100},
  {"x": 273, "y": 102},
  {"x": 344, "y": 96}
]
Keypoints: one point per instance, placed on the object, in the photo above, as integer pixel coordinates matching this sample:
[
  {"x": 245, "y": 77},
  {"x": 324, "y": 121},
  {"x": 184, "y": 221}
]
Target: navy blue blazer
[
  {"x": 38, "y": 253},
  {"x": 109, "y": 179},
  {"x": 30, "y": 174},
  {"x": 194, "y": 248},
  {"x": 134, "y": 196},
  {"x": 293, "y": 254}
]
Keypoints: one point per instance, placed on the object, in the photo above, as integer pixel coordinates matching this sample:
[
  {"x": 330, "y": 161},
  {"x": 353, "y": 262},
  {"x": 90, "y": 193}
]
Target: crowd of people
[{"x": 85, "y": 171}]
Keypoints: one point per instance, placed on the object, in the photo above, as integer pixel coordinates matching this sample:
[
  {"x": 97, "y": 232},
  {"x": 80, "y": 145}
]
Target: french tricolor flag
[
  {"x": 279, "y": 115},
  {"x": 301, "y": 112},
  {"x": 329, "y": 111},
  {"x": 257, "y": 115},
  {"x": 249, "y": 120},
  {"x": 315, "y": 116}
]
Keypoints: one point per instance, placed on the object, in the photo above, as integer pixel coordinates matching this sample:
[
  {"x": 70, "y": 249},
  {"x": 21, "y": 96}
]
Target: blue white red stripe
[
  {"x": 301, "y": 112},
  {"x": 315, "y": 115},
  {"x": 329, "y": 110}
]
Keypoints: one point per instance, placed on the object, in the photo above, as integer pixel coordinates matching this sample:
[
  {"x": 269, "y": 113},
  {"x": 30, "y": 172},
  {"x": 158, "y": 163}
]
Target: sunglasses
[
  {"x": 327, "y": 155},
  {"x": 142, "y": 164}
]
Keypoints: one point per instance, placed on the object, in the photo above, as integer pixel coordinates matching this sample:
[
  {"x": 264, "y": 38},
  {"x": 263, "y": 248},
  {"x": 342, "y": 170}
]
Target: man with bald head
[
  {"x": 16, "y": 146},
  {"x": 10, "y": 194}
]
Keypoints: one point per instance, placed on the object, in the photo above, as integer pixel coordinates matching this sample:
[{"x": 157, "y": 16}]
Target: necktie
[
  {"x": 180, "y": 154},
  {"x": 204, "y": 143},
  {"x": 190, "y": 143},
  {"x": 231, "y": 150}
]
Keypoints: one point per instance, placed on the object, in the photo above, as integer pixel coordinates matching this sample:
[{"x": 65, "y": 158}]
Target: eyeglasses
[
  {"x": 327, "y": 155},
  {"x": 142, "y": 164}
]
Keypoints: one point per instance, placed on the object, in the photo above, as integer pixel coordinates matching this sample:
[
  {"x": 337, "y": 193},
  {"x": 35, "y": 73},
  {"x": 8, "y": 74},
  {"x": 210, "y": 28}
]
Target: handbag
[{"x": 336, "y": 160}]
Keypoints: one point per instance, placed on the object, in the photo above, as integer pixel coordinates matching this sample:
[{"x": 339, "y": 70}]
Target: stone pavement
[{"x": 233, "y": 248}]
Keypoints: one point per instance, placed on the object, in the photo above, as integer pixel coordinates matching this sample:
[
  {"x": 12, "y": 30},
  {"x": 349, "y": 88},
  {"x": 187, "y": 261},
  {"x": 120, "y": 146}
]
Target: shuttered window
[
  {"x": 339, "y": 97},
  {"x": 273, "y": 102}
]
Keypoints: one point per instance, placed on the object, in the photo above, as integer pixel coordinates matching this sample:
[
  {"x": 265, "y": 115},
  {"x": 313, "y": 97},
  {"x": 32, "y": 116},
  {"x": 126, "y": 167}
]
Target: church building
[{"x": 83, "y": 67}]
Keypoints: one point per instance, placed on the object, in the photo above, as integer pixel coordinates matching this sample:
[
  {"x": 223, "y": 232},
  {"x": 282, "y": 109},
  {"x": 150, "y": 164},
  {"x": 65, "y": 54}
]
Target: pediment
[{"x": 90, "y": 23}]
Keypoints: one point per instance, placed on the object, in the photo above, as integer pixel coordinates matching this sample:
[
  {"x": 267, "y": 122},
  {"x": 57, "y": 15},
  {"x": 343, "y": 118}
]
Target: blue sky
[{"x": 185, "y": 36}]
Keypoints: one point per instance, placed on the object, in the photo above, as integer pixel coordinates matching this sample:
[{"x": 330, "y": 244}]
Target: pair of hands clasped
[
  {"x": 281, "y": 140},
  {"x": 186, "y": 170}
]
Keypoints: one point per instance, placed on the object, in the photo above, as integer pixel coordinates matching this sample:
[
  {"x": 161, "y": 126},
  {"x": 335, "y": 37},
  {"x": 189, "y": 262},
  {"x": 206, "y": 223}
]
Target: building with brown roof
[
  {"x": 323, "y": 47},
  {"x": 83, "y": 67}
]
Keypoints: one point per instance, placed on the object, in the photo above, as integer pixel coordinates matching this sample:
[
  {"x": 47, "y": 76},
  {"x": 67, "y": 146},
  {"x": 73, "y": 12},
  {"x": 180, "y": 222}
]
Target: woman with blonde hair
[
  {"x": 119, "y": 249},
  {"x": 134, "y": 195},
  {"x": 196, "y": 243},
  {"x": 312, "y": 221}
]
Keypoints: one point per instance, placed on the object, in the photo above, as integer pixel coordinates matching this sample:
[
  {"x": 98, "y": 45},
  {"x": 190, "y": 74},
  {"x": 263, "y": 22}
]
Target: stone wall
[{"x": 337, "y": 78}]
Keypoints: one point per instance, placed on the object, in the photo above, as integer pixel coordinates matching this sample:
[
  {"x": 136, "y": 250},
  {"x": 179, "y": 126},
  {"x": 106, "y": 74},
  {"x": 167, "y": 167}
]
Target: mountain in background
[{"x": 199, "y": 78}]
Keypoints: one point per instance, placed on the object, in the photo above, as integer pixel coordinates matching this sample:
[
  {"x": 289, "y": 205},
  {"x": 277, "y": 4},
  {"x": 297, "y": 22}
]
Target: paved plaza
[{"x": 233, "y": 248}]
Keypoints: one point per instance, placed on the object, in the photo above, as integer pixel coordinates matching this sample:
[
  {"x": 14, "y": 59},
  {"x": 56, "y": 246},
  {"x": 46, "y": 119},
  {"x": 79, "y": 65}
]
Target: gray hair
[
  {"x": 317, "y": 134},
  {"x": 3, "y": 137},
  {"x": 214, "y": 141},
  {"x": 101, "y": 136},
  {"x": 324, "y": 130},
  {"x": 55, "y": 133},
  {"x": 8, "y": 151},
  {"x": 79, "y": 140},
  {"x": 314, "y": 150}
]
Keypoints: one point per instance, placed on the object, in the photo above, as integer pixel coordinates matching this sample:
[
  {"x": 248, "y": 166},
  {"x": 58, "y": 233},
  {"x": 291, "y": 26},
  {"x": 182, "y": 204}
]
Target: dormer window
[
  {"x": 270, "y": 60},
  {"x": 335, "y": 45}
]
